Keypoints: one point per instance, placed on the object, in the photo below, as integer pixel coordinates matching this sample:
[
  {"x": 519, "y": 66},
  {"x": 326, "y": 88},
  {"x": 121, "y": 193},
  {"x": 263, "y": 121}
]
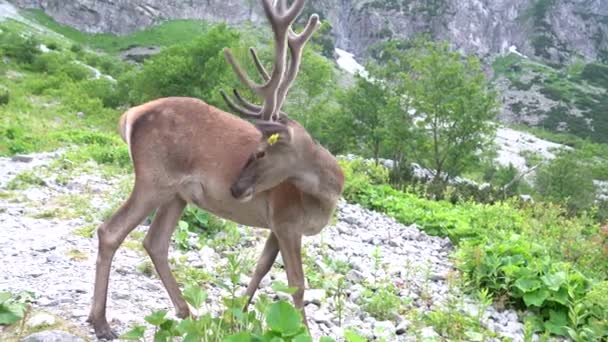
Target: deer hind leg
[
  {"x": 290, "y": 244},
  {"x": 111, "y": 234},
  {"x": 269, "y": 255},
  {"x": 156, "y": 244}
]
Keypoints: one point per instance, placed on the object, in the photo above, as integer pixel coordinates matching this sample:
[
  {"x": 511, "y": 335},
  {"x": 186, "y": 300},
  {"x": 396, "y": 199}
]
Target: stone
[
  {"x": 52, "y": 336},
  {"x": 428, "y": 333},
  {"x": 402, "y": 327},
  {"x": 384, "y": 330},
  {"x": 41, "y": 320},
  {"x": 314, "y": 296},
  {"x": 355, "y": 276},
  {"x": 22, "y": 159}
]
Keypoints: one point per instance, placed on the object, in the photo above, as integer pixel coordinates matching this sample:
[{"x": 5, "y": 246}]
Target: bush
[
  {"x": 196, "y": 69},
  {"x": 103, "y": 89},
  {"x": 22, "y": 49},
  {"x": 5, "y": 95},
  {"x": 565, "y": 180}
]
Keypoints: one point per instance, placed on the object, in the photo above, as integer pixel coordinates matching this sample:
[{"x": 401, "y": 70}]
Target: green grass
[{"x": 168, "y": 33}]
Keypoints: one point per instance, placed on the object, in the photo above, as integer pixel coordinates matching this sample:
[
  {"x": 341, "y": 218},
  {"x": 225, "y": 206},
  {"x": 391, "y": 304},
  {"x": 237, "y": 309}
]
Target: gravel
[{"x": 37, "y": 256}]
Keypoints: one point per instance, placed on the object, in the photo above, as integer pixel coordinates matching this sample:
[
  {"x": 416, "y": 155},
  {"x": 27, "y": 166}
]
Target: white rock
[
  {"x": 40, "y": 320},
  {"x": 314, "y": 296}
]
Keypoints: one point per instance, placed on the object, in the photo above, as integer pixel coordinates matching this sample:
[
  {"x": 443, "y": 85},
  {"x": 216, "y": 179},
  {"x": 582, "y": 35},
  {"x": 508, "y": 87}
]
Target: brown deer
[{"x": 269, "y": 175}]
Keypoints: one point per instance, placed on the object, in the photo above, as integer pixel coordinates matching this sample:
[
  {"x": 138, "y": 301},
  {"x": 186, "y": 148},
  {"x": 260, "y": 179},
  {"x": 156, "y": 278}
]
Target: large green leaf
[
  {"x": 528, "y": 284},
  {"x": 8, "y": 316},
  {"x": 536, "y": 298},
  {"x": 134, "y": 334},
  {"x": 283, "y": 318},
  {"x": 557, "y": 322},
  {"x": 195, "y": 296},
  {"x": 156, "y": 318},
  {"x": 280, "y": 286},
  {"x": 352, "y": 336},
  {"x": 302, "y": 338},
  {"x": 555, "y": 280},
  {"x": 242, "y": 337}
]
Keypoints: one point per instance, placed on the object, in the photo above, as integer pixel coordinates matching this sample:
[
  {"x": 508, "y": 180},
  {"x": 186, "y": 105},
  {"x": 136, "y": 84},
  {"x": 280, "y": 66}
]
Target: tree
[
  {"x": 366, "y": 106},
  {"x": 196, "y": 69},
  {"x": 454, "y": 107},
  {"x": 565, "y": 180}
]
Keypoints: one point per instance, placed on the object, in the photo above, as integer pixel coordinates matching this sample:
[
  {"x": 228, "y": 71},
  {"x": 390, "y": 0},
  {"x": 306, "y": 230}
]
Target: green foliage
[
  {"x": 457, "y": 107},
  {"x": 278, "y": 321},
  {"x": 529, "y": 257},
  {"x": 383, "y": 301},
  {"x": 566, "y": 180},
  {"x": 25, "y": 180},
  {"x": 5, "y": 95},
  {"x": 165, "y": 34},
  {"x": 201, "y": 223},
  {"x": 195, "y": 69},
  {"x": 23, "y": 49},
  {"x": 596, "y": 74},
  {"x": 360, "y": 174},
  {"x": 13, "y": 307}
]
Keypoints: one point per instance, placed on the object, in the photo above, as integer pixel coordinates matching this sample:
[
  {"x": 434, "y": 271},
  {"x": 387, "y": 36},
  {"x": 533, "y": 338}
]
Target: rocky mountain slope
[{"x": 553, "y": 29}]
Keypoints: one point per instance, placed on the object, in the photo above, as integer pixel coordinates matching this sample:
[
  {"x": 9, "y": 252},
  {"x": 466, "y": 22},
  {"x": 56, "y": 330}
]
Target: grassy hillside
[
  {"x": 168, "y": 33},
  {"x": 570, "y": 98}
]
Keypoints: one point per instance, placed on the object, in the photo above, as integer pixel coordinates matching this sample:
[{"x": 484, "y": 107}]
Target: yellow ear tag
[{"x": 273, "y": 139}]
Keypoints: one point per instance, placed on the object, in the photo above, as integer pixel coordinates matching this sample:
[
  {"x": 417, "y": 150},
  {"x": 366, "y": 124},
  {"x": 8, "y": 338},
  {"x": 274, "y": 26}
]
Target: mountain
[
  {"x": 544, "y": 56},
  {"x": 554, "y": 29}
]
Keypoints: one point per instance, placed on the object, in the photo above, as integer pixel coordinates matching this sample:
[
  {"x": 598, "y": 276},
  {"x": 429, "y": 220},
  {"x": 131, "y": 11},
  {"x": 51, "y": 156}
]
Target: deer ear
[{"x": 273, "y": 132}]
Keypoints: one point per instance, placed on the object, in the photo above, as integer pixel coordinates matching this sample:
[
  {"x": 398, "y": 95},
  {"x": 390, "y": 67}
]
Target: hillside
[{"x": 546, "y": 55}]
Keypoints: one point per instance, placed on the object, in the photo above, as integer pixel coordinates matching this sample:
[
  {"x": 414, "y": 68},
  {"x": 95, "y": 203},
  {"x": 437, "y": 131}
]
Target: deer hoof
[
  {"x": 183, "y": 314},
  {"x": 105, "y": 333}
]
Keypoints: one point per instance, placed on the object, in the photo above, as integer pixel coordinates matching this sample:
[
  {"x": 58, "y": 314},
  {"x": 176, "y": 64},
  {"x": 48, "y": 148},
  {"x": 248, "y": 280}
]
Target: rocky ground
[{"x": 49, "y": 257}]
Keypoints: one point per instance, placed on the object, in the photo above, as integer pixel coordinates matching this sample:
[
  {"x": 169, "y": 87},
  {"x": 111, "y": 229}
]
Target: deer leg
[
  {"x": 111, "y": 234},
  {"x": 156, "y": 244},
  {"x": 290, "y": 245},
  {"x": 269, "y": 255}
]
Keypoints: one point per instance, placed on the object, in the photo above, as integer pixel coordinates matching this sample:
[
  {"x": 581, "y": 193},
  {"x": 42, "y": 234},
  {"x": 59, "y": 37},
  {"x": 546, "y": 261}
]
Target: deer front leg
[
  {"x": 290, "y": 245},
  {"x": 111, "y": 234},
  {"x": 156, "y": 244},
  {"x": 269, "y": 255}
]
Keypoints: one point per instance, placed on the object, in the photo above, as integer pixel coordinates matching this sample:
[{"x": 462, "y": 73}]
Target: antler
[{"x": 278, "y": 83}]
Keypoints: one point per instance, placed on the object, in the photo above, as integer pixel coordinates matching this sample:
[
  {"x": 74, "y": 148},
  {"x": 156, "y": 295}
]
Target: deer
[{"x": 266, "y": 173}]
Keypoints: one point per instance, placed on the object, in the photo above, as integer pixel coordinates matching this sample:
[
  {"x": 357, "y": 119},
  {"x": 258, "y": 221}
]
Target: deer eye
[{"x": 260, "y": 155}]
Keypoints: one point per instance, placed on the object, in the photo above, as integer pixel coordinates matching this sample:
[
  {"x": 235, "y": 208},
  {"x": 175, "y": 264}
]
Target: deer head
[{"x": 275, "y": 159}]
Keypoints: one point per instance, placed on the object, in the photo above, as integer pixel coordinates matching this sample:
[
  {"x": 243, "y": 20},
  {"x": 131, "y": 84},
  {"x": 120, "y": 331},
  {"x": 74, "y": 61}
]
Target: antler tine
[
  {"x": 238, "y": 109},
  {"x": 259, "y": 65},
  {"x": 250, "y": 106},
  {"x": 280, "y": 19},
  {"x": 296, "y": 44}
]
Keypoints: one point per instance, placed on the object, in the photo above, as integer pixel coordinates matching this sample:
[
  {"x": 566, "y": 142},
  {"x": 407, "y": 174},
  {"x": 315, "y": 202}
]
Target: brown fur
[{"x": 185, "y": 151}]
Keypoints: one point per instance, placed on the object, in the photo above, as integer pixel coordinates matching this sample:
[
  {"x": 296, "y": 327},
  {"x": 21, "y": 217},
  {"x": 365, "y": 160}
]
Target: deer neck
[{"x": 320, "y": 177}]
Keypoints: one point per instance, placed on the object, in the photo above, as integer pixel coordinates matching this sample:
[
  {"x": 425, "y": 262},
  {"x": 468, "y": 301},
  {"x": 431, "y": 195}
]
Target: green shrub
[
  {"x": 5, "y": 95},
  {"x": 565, "y": 180},
  {"x": 596, "y": 74},
  {"x": 103, "y": 89},
  {"x": 22, "y": 49}
]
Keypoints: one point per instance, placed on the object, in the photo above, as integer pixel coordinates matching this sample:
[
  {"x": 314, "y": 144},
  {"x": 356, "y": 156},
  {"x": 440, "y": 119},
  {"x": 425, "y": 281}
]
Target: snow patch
[
  {"x": 513, "y": 49},
  {"x": 346, "y": 61}
]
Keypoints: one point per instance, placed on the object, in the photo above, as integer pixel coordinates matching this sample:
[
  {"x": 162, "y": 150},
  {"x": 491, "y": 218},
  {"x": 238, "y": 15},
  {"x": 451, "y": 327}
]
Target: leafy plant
[{"x": 13, "y": 307}]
